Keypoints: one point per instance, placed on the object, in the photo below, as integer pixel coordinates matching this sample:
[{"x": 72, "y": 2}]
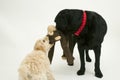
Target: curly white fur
[{"x": 36, "y": 65}]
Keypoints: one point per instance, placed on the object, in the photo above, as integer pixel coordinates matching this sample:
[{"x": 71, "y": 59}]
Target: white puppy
[{"x": 36, "y": 65}]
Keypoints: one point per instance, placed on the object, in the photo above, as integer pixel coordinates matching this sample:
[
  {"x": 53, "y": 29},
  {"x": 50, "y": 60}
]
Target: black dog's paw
[
  {"x": 81, "y": 72},
  {"x": 88, "y": 60},
  {"x": 99, "y": 74}
]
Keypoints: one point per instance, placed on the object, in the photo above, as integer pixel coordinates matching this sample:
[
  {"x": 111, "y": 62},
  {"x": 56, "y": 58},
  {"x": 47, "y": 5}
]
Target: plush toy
[{"x": 55, "y": 35}]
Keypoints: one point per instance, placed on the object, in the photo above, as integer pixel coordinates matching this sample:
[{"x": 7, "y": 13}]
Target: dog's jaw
[{"x": 43, "y": 44}]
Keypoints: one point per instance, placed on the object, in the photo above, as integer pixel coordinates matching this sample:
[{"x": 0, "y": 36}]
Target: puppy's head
[
  {"x": 53, "y": 34},
  {"x": 43, "y": 44}
]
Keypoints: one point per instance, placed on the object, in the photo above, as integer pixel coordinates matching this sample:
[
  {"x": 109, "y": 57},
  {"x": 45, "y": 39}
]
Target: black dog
[{"x": 91, "y": 36}]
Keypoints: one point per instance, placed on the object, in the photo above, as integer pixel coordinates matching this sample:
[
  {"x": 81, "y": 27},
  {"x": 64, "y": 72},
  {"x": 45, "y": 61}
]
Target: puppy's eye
[{"x": 43, "y": 40}]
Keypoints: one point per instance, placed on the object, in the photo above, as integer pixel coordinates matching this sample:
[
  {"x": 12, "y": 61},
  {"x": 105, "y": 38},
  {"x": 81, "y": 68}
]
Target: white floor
[{"x": 22, "y": 22}]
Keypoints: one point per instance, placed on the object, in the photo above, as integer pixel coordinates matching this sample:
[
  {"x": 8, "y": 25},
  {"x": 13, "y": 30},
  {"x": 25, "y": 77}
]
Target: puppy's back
[{"x": 35, "y": 63}]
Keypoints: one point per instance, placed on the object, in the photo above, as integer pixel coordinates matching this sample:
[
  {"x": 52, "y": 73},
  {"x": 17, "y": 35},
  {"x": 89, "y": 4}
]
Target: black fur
[{"x": 69, "y": 20}]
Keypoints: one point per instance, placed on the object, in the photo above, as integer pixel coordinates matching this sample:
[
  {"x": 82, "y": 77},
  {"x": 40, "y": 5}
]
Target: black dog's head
[
  {"x": 53, "y": 34},
  {"x": 68, "y": 21}
]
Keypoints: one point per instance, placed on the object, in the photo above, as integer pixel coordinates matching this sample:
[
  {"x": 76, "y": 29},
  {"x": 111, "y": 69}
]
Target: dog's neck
[{"x": 84, "y": 18}]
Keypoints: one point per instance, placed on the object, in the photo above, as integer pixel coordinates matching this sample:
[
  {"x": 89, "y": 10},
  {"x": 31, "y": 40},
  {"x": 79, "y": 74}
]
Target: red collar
[{"x": 84, "y": 18}]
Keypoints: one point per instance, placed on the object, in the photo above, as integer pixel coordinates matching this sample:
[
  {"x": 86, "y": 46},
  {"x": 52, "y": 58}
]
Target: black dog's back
[
  {"x": 68, "y": 21},
  {"x": 94, "y": 30}
]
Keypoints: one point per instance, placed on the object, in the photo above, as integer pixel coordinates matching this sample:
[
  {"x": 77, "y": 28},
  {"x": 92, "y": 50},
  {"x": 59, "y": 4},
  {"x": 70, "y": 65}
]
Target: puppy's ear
[{"x": 39, "y": 46}]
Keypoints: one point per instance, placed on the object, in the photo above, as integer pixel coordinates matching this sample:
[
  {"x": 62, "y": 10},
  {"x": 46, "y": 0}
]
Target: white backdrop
[{"x": 24, "y": 21}]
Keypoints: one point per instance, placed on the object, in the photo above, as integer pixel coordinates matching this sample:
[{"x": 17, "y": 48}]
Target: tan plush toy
[{"x": 55, "y": 35}]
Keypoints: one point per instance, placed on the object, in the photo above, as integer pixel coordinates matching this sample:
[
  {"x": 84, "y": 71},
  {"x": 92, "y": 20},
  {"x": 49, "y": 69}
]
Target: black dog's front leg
[
  {"x": 82, "y": 68},
  {"x": 88, "y": 59},
  {"x": 97, "y": 51}
]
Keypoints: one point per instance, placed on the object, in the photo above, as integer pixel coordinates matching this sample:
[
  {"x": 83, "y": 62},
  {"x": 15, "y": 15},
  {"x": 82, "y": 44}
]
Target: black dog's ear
[
  {"x": 61, "y": 21},
  {"x": 77, "y": 19}
]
